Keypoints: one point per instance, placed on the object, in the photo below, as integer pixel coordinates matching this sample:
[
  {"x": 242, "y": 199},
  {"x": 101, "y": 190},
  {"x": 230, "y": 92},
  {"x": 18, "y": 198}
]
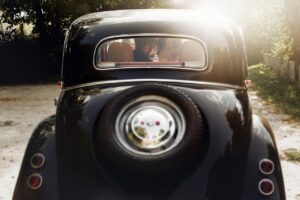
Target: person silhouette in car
[{"x": 145, "y": 49}]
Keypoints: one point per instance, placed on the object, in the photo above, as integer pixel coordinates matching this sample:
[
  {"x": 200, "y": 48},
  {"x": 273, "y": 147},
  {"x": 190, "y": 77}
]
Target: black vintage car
[{"x": 154, "y": 106}]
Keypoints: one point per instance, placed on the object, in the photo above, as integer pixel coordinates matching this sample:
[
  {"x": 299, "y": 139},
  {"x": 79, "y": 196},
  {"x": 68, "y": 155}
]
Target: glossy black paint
[
  {"x": 235, "y": 143},
  {"x": 41, "y": 141},
  {"x": 235, "y": 140},
  {"x": 226, "y": 64}
]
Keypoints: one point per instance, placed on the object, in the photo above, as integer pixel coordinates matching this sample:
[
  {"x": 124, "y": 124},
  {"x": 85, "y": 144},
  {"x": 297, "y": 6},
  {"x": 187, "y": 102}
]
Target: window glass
[{"x": 151, "y": 52}]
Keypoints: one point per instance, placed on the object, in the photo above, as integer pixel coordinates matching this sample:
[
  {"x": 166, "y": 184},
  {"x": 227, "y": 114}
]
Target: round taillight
[
  {"x": 266, "y": 166},
  {"x": 37, "y": 160},
  {"x": 248, "y": 83},
  {"x": 59, "y": 83},
  {"x": 34, "y": 181},
  {"x": 266, "y": 187}
]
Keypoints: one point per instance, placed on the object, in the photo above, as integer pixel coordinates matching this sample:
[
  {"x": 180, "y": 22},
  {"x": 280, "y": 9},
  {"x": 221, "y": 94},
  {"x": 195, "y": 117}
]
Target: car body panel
[
  {"x": 222, "y": 38},
  {"x": 224, "y": 167},
  {"x": 41, "y": 141},
  {"x": 235, "y": 140}
]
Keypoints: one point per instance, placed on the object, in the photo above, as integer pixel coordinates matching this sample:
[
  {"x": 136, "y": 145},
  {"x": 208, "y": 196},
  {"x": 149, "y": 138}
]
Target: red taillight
[
  {"x": 34, "y": 181},
  {"x": 248, "y": 83},
  {"x": 37, "y": 160},
  {"x": 59, "y": 83},
  {"x": 266, "y": 166},
  {"x": 266, "y": 187}
]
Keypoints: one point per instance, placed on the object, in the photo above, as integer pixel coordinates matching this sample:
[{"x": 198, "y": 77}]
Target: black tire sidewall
[{"x": 113, "y": 154}]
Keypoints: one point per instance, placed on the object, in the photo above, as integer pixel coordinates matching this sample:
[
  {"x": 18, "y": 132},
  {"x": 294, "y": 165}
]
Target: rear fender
[
  {"x": 41, "y": 141},
  {"x": 263, "y": 146}
]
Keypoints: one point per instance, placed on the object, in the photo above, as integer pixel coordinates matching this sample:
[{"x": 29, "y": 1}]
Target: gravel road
[{"x": 23, "y": 107}]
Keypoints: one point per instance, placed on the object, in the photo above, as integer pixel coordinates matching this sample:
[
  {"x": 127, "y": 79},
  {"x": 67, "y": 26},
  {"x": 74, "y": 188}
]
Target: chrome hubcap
[{"x": 150, "y": 127}]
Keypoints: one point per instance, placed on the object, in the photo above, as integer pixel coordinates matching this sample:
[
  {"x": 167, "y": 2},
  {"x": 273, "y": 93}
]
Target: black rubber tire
[{"x": 183, "y": 156}]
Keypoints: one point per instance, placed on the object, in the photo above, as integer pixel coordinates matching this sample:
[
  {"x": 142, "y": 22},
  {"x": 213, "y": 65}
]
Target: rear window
[{"x": 157, "y": 52}]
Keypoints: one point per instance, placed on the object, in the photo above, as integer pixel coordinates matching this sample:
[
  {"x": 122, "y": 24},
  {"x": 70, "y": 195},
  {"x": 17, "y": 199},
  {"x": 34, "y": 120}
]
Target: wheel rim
[{"x": 150, "y": 125}]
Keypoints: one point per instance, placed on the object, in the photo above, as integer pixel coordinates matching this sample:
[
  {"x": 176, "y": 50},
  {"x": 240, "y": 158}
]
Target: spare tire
[{"x": 150, "y": 128}]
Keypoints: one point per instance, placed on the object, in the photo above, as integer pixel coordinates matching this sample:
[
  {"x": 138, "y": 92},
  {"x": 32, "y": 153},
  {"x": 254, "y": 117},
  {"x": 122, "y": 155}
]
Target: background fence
[{"x": 283, "y": 68}]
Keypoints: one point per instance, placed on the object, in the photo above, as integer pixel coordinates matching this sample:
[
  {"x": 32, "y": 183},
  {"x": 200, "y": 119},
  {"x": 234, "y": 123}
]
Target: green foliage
[
  {"x": 283, "y": 46},
  {"x": 276, "y": 90},
  {"x": 266, "y": 30},
  {"x": 8, "y": 36},
  {"x": 292, "y": 155},
  {"x": 51, "y": 18},
  {"x": 282, "y": 41}
]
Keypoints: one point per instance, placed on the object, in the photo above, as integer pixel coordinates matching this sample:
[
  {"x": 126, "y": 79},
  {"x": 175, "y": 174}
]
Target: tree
[
  {"x": 293, "y": 16},
  {"x": 51, "y": 18}
]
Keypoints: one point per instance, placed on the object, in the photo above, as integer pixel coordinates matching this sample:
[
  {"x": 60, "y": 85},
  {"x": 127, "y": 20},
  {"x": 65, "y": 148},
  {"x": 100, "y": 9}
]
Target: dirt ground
[{"x": 23, "y": 107}]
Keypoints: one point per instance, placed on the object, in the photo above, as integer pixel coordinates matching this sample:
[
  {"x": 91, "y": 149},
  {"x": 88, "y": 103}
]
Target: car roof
[
  {"x": 218, "y": 33},
  {"x": 154, "y": 15}
]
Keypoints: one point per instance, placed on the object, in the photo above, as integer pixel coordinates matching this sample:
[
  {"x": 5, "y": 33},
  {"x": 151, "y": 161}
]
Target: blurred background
[{"x": 32, "y": 31}]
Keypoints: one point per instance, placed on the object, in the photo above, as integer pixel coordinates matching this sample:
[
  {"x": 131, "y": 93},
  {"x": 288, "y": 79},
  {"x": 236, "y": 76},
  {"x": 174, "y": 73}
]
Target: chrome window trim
[
  {"x": 122, "y": 36},
  {"x": 202, "y": 83}
]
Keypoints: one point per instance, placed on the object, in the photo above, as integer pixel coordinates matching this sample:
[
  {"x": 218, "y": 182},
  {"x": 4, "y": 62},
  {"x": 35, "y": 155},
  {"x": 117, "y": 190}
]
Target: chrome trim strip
[
  {"x": 203, "y": 83},
  {"x": 152, "y": 35}
]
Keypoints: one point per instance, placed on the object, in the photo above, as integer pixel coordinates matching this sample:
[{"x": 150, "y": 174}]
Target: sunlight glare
[{"x": 234, "y": 8}]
